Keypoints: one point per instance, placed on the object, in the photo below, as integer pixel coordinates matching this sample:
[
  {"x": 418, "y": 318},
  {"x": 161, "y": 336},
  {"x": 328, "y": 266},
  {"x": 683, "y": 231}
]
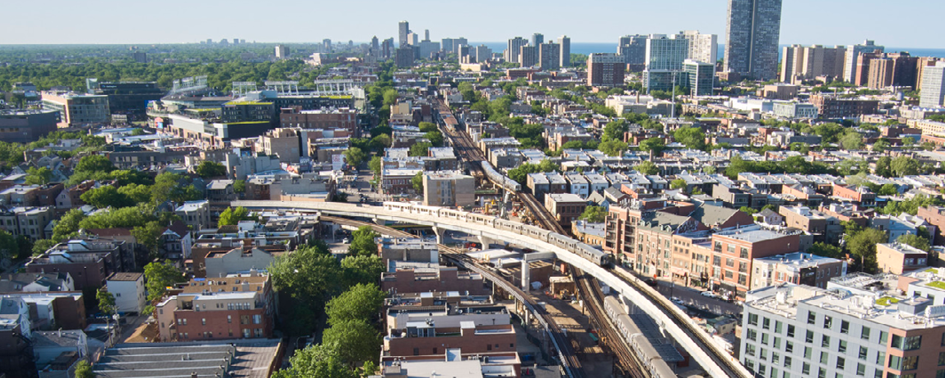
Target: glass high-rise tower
[{"x": 752, "y": 33}]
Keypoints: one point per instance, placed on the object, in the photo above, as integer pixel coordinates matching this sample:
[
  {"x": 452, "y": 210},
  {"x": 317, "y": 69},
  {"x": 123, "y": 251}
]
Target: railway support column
[
  {"x": 526, "y": 275},
  {"x": 484, "y": 241},
  {"x": 440, "y": 233}
]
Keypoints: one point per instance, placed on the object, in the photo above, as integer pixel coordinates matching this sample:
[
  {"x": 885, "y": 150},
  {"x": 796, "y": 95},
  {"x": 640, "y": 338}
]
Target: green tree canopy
[
  {"x": 94, "y": 164},
  {"x": 356, "y": 340},
  {"x": 317, "y": 361},
  {"x": 647, "y": 168},
  {"x": 361, "y": 269},
  {"x": 428, "y": 127},
  {"x": 862, "y": 245},
  {"x": 83, "y": 370},
  {"x": 106, "y": 301},
  {"x": 594, "y": 214},
  {"x": 304, "y": 279},
  {"x": 884, "y": 167},
  {"x": 826, "y": 250},
  {"x": 362, "y": 243},
  {"x": 613, "y": 147},
  {"x": 692, "y": 137},
  {"x": 231, "y": 216},
  {"x": 38, "y": 176},
  {"x": 419, "y": 149},
  {"x": 208, "y": 169},
  {"x": 677, "y": 184},
  {"x": 417, "y": 182},
  {"x": 158, "y": 276},
  {"x": 915, "y": 241},
  {"x": 614, "y": 130},
  {"x": 905, "y": 166},
  {"x": 136, "y": 193},
  {"x": 106, "y": 196},
  {"x": 354, "y": 156},
  {"x": 362, "y": 301},
  {"x": 653, "y": 145}
]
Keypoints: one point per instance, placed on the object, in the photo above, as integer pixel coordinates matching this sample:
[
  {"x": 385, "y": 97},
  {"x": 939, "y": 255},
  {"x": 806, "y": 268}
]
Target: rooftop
[{"x": 124, "y": 276}]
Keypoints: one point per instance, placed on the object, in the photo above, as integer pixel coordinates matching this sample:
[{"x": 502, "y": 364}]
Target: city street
[{"x": 692, "y": 297}]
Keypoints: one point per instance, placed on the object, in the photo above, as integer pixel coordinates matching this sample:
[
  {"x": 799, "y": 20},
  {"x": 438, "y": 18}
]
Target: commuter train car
[
  {"x": 639, "y": 344},
  {"x": 506, "y": 182}
]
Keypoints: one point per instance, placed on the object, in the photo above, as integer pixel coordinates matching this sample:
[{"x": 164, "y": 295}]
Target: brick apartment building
[
  {"x": 218, "y": 308},
  {"x": 424, "y": 338},
  {"x": 439, "y": 279}
]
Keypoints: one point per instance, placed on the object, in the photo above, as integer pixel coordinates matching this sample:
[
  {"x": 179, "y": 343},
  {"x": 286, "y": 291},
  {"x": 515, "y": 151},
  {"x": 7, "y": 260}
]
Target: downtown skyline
[{"x": 612, "y": 19}]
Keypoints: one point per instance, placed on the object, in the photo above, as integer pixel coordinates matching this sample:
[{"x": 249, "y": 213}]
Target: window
[
  {"x": 787, "y": 361},
  {"x": 229, "y": 319},
  {"x": 764, "y": 338},
  {"x": 790, "y": 330},
  {"x": 257, "y": 319},
  {"x": 775, "y": 358},
  {"x": 753, "y": 319},
  {"x": 860, "y": 369},
  {"x": 895, "y": 362},
  {"x": 824, "y": 357},
  {"x": 203, "y": 321},
  {"x": 730, "y": 262},
  {"x": 863, "y": 353},
  {"x": 842, "y": 347},
  {"x": 807, "y": 352},
  {"x": 825, "y": 341},
  {"x": 810, "y": 337},
  {"x": 789, "y": 347},
  {"x": 777, "y": 326},
  {"x": 811, "y": 317},
  {"x": 828, "y": 322},
  {"x": 844, "y": 327},
  {"x": 841, "y": 363},
  {"x": 865, "y": 335},
  {"x": 744, "y": 253},
  {"x": 906, "y": 343},
  {"x": 941, "y": 359},
  {"x": 883, "y": 336},
  {"x": 777, "y": 343},
  {"x": 764, "y": 354},
  {"x": 821, "y": 373},
  {"x": 910, "y": 362},
  {"x": 940, "y": 374},
  {"x": 752, "y": 335},
  {"x": 805, "y": 368},
  {"x": 766, "y": 323},
  {"x": 880, "y": 358}
]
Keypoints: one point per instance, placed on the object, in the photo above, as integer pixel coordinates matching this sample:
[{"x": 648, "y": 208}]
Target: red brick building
[
  {"x": 422, "y": 338},
  {"x": 443, "y": 279},
  {"x": 219, "y": 308}
]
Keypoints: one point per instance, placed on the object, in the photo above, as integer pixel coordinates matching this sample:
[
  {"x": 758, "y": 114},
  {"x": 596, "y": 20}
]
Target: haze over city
[{"x": 906, "y": 24}]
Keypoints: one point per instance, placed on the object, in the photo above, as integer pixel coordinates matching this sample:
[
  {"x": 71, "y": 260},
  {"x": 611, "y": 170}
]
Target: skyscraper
[
  {"x": 527, "y": 56},
  {"x": 664, "y": 53},
  {"x": 549, "y": 56},
  {"x": 701, "y": 77},
  {"x": 403, "y": 29},
  {"x": 752, "y": 34},
  {"x": 447, "y": 45},
  {"x": 632, "y": 48},
  {"x": 374, "y": 44},
  {"x": 514, "y": 48},
  {"x": 483, "y": 53},
  {"x": 282, "y": 51},
  {"x": 933, "y": 86},
  {"x": 426, "y": 34},
  {"x": 565, "y": 59},
  {"x": 853, "y": 52},
  {"x": 537, "y": 39},
  {"x": 799, "y": 63},
  {"x": 702, "y": 47}
]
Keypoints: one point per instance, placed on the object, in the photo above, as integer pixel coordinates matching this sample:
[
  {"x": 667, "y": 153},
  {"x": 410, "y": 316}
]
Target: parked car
[
  {"x": 345, "y": 241},
  {"x": 651, "y": 282},
  {"x": 709, "y": 294}
]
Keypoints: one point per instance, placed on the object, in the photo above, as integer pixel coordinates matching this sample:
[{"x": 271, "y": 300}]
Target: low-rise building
[
  {"x": 77, "y": 110},
  {"x": 128, "y": 289},
  {"x": 89, "y": 262},
  {"x": 899, "y": 258},
  {"x": 424, "y": 338},
  {"x": 196, "y": 214},
  {"x": 25, "y": 126},
  {"x": 565, "y": 207},
  {"x": 589, "y": 233},
  {"x": 29, "y": 222},
  {"x": 421, "y": 278},
  {"x": 798, "y": 268},
  {"x": 219, "y": 308},
  {"x": 448, "y": 188}
]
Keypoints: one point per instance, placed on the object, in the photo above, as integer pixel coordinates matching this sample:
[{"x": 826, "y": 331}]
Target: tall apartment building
[
  {"x": 632, "y": 48},
  {"x": 77, "y": 109},
  {"x": 403, "y": 57},
  {"x": 282, "y": 51},
  {"x": 403, "y": 31},
  {"x": 549, "y": 56},
  {"x": 565, "y": 55},
  {"x": 387, "y": 46},
  {"x": 701, "y": 77},
  {"x": 483, "y": 53},
  {"x": 528, "y": 56},
  {"x": 832, "y": 107},
  {"x": 753, "y": 29},
  {"x": 803, "y": 331},
  {"x": 801, "y": 63},
  {"x": 892, "y": 70},
  {"x": 457, "y": 43},
  {"x": 702, "y": 47},
  {"x": 851, "y": 56},
  {"x": 537, "y": 39},
  {"x": 605, "y": 70},
  {"x": 664, "y": 58},
  {"x": 513, "y": 49}
]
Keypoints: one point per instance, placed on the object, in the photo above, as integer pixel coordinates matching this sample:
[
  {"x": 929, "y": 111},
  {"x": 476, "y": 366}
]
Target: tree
[
  {"x": 852, "y": 166},
  {"x": 417, "y": 181},
  {"x": 94, "y": 164},
  {"x": 149, "y": 236},
  {"x": 908, "y": 142},
  {"x": 435, "y": 137},
  {"x": 239, "y": 186},
  {"x": 915, "y": 241},
  {"x": 909, "y": 206},
  {"x": 136, "y": 193},
  {"x": 362, "y": 301},
  {"x": 905, "y": 166},
  {"x": 208, "y": 169},
  {"x": 692, "y": 137},
  {"x": 427, "y": 127},
  {"x": 8, "y": 245},
  {"x": 647, "y": 168},
  {"x": 106, "y": 196},
  {"x": 231, "y": 216},
  {"x": 852, "y": 141},
  {"x": 614, "y": 130},
  {"x": 355, "y": 339},
  {"x": 158, "y": 276},
  {"x": 862, "y": 245},
  {"x": 42, "y": 245},
  {"x": 362, "y": 242},
  {"x": 169, "y": 186},
  {"x": 419, "y": 149},
  {"x": 801, "y": 147},
  {"x": 304, "y": 279},
  {"x": 653, "y": 145},
  {"x": 68, "y": 225},
  {"x": 323, "y": 361},
  {"x": 825, "y": 250},
  {"x": 361, "y": 269},
  {"x": 677, "y": 184},
  {"x": 881, "y": 145},
  {"x": 888, "y": 189},
  {"x": 709, "y": 169},
  {"x": 83, "y": 370},
  {"x": 612, "y": 147},
  {"x": 106, "y": 302},
  {"x": 594, "y": 214},
  {"x": 354, "y": 156},
  {"x": 883, "y": 167},
  {"x": 38, "y": 176}
]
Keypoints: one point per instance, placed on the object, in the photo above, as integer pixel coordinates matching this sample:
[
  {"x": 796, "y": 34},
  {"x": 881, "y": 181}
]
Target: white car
[
  {"x": 709, "y": 294},
  {"x": 345, "y": 241}
]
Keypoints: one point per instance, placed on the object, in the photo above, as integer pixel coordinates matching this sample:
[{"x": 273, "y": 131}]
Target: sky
[{"x": 902, "y": 23}]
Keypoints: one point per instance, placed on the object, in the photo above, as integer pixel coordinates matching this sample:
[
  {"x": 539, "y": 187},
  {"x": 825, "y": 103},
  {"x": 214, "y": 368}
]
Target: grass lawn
[{"x": 886, "y": 301}]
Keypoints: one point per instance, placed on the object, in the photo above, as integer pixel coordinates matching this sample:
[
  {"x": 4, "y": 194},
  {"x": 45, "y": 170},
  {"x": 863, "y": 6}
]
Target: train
[
  {"x": 639, "y": 344},
  {"x": 598, "y": 257},
  {"x": 503, "y": 180}
]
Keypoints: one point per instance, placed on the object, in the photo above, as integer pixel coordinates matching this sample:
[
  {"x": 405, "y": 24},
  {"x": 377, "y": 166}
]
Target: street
[{"x": 693, "y": 298}]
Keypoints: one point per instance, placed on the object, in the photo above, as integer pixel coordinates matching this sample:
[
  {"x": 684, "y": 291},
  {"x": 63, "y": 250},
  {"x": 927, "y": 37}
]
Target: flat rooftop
[{"x": 248, "y": 359}]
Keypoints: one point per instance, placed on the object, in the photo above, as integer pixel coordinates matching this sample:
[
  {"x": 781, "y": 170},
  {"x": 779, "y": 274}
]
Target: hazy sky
[{"x": 902, "y": 23}]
